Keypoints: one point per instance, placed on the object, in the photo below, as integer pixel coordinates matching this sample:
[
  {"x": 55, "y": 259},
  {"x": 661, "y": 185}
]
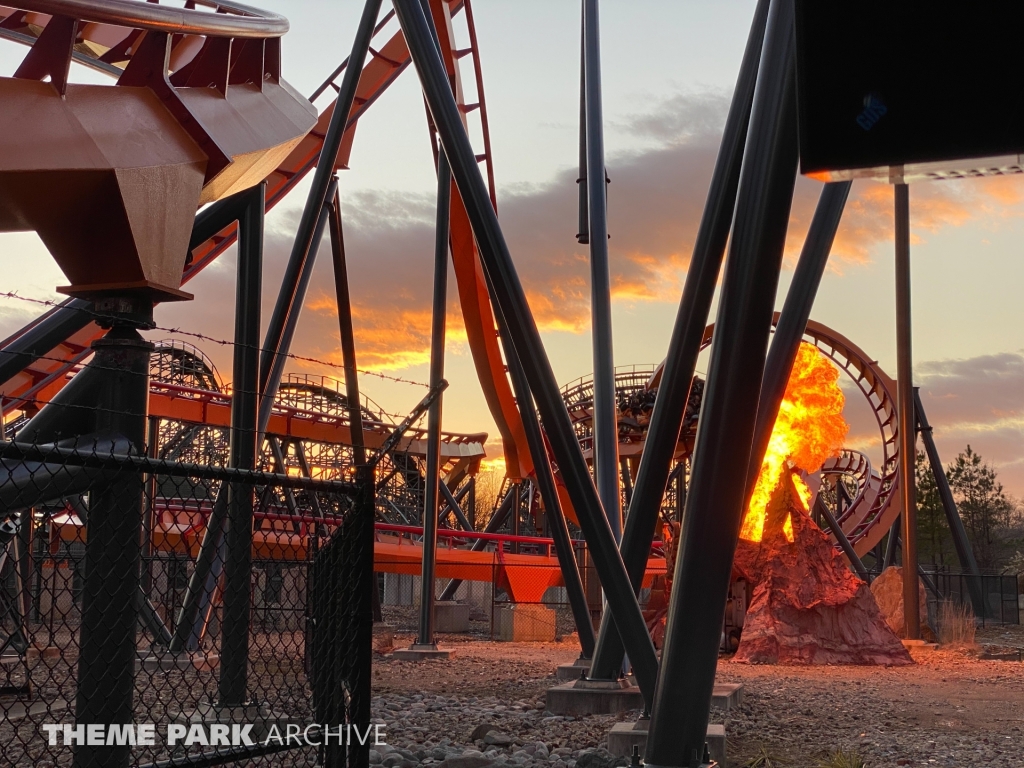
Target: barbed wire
[{"x": 203, "y": 337}]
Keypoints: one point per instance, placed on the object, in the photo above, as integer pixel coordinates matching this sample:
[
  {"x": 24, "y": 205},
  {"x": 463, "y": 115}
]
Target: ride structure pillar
[
  {"x": 243, "y": 449},
  {"x": 956, "y": 525},
  {"x": 107, "y": 643},
  {"x": 425, "y": 647},
  {"x": 715, "y": 501},
  {"x": 681, "y": 358},
  {"x": 606, "y": 409},
  {"x": 905, "y": 409},
  {"x": 525, "y": 337}
]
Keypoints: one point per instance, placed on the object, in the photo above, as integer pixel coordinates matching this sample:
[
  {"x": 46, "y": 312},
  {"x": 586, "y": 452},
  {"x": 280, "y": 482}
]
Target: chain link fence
[{"x": 143, "y": 620}]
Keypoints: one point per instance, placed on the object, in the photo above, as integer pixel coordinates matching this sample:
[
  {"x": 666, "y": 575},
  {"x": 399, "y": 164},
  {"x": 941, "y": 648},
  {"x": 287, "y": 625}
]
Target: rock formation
[{"x": 807, "y": 606}]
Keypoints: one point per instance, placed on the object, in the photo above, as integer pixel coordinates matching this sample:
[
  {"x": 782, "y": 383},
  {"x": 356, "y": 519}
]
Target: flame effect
[{"x": 810, "y": 427}]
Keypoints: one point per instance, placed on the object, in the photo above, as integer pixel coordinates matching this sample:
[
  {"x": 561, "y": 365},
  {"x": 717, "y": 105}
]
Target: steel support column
[
  {"x": 107, "y": 646},
  {"x": 583, "y": 225},
  {"x": 905, "y": 411},
  {"x": 289, "y": 301},
  {"x": 243, "y": 447},
  {"x": 681, "y": 359},
  {"x": 892, "y": 543},
  {"x": 523, "y": 333},
  {"x": 348, "y": 344},
  {"x": 844, "y": 543},
  {"x": 606, "y": 409},
  {"x": 431, "y": 506},
  {"x": 271, "y": 380},
  {"x": 553, "y": 508},
  {"x": 956, "y": 525},
  {"x": 193, "y": 617},
  {"x": 715, "y": 501}
]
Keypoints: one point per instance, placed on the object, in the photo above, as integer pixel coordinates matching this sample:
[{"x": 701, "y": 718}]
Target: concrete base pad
[
  {"x": 417, "y": 652},
  {"x": 526, "y": 623},
  {"x": 587, "y": 697},
  {"x": 624, "y": 736},
  {"x": 159, "y": 660},
  {"x": 450, "y": 616},
  {"x": 573, "y": 671}
]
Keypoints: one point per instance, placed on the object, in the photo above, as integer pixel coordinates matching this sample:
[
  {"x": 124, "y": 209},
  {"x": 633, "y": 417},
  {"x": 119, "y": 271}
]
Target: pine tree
[
  {"x": 934, "y": 540},
  {"x": 986, "y": 511}
]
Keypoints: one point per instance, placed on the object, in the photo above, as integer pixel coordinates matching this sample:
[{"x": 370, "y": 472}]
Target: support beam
[
  {"x": 346, "y": 332},
  {"x": 243, "y": 447},
  {"x": 715, "y": 502},
  {"x": 907, "y": 434},
  {"x": 525, "y": 337},
  {"x": 289, "y": 301},
  {"x": 837, "y": 531},
  {"x": 606, "y": 408},
  {"x": 583, "y": 226},
  {"x": 107, "y": 647},
  {"x": 425, "y": 638},
  {"x": 681, "y": 358},
  {"x": 553, "y": 508},
  {"x": 453, "y": 505},
  {"x": 892, "y": 543},
  {"x": 498, "y": 519},
  {"x": 962, "y": 544}
]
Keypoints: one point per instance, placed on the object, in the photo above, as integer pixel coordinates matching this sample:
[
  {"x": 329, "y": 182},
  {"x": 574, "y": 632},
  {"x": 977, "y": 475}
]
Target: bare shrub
[{"x": 956, "y": 624}]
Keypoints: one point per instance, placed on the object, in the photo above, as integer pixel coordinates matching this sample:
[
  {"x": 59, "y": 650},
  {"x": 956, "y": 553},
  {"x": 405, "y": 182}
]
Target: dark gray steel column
[
  {"x": 715, "y": 501},
  {"x": 287, "y": 301},
  {"x": 348, "y": 343},
  {"x": 844, "y": 543},
  {"x": 892, "y": 543},
  {"x": 691, "y": 319},
  {"x": 433, "y": 467},
  {"x": 905, "y": 411},
  {"x": 605, "y": 417},
  {"x": 552, "y": 507},
  {"x": 522, "y": 329},
  {"x": 107, "y": 650},
  {"x": 234, "y": 655},
  {"x": 271, "y": 381},
  {"x": 583, "y": 226},
  {"x": 42, "y": 335},
  {"x": 956, "y": 525}
]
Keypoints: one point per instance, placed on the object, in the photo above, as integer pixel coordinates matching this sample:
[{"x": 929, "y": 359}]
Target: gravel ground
[{"x": 950, "y": 709}]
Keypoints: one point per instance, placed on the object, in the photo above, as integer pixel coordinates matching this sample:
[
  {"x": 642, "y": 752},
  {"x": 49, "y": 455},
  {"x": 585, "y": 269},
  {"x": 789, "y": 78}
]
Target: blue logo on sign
[{"x": 873, "y": 111}]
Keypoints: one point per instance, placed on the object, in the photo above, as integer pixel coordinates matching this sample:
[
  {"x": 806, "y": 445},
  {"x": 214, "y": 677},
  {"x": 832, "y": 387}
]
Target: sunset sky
[{"x": 668, "y": 70}]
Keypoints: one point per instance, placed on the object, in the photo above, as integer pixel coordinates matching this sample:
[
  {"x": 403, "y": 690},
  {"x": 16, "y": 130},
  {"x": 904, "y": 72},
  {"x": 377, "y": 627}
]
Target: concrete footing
[
  {"x": 417, "y": 652},
  {"x": 624, "y": 736},
  {"x": 526, "y": 623},
  {"x": 451, "y": 617},
  {"x": 162, "y": 660},
  {"x": 600, "y": 697},
  {"x": 574, "y": 671}
]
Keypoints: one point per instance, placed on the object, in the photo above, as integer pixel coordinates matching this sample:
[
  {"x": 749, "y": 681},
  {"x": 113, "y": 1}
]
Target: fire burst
[{"x": 810, "y": 427}]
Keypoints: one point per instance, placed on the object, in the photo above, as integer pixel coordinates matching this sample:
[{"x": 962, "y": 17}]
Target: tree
[
  {"x": 984, "y": 507},
  {"x": 934, "y": 540}
]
